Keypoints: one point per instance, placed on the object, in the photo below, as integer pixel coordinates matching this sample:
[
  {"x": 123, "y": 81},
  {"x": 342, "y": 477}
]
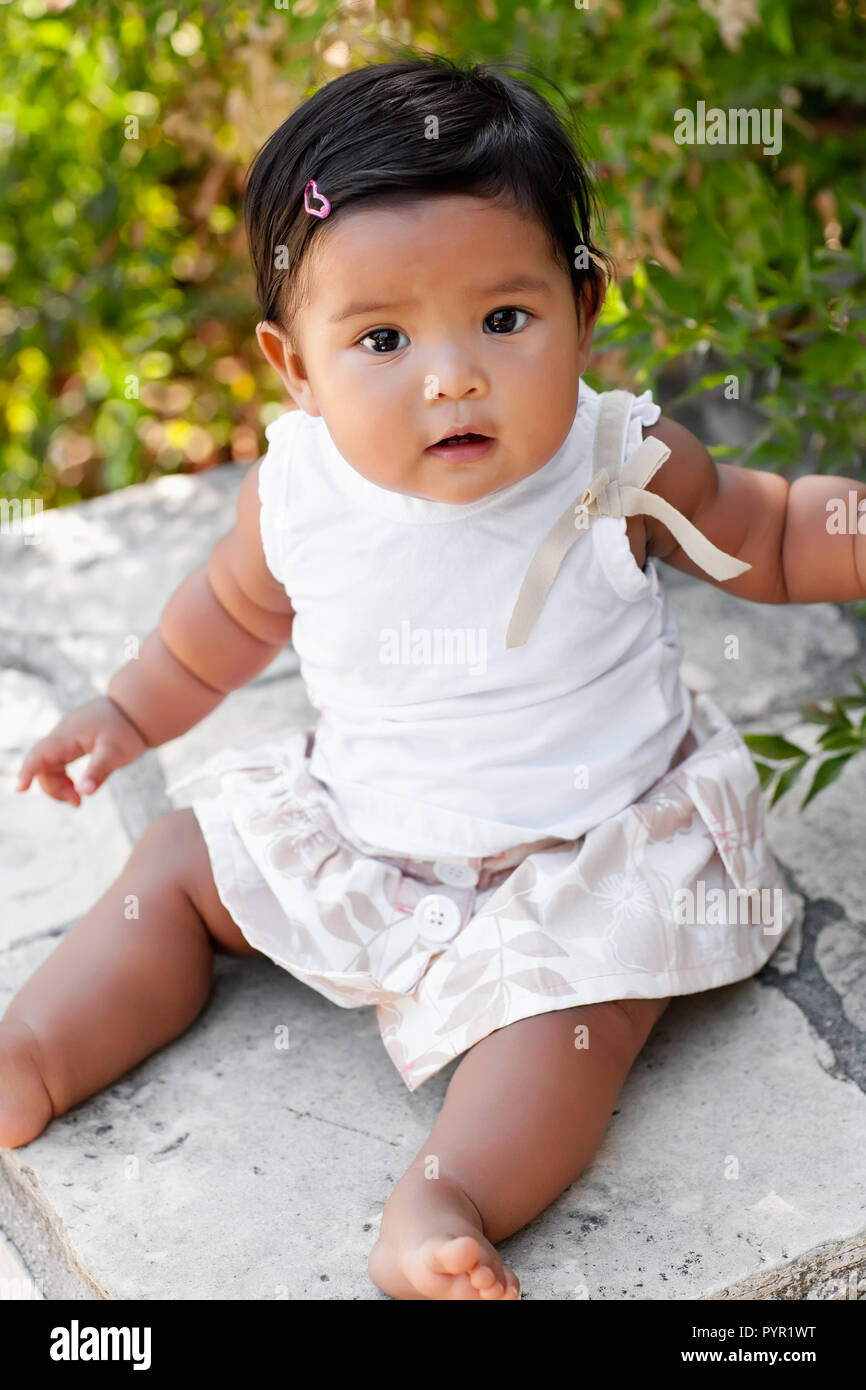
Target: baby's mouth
[
  {"x": 460, "y": 439},
  {"x": 462, "y": 448}
]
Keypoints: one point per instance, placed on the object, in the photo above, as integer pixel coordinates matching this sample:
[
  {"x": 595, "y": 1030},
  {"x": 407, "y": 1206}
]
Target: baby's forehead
[
  {"x": 393, "y": 213},
  {"x": 431, "y": 243}
]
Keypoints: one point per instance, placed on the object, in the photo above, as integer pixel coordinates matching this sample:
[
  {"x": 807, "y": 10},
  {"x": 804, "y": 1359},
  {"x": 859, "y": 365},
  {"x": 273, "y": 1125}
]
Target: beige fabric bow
[{"x": 612, "y": 496}]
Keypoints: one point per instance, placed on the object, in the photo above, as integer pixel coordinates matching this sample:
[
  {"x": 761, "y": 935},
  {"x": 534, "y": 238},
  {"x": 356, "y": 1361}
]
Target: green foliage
[
  {"x": 122, "y": 255},
  {"x": 839, "y": 732},
  {"x": 127, "y": 302}
]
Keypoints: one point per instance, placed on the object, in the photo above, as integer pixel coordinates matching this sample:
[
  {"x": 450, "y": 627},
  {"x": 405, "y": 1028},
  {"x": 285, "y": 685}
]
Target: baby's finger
[
  {"x": 103, "y": 762},
  {"x": 55, "y": 783},
  {"x": 48, "y": 756},
  {"x": 28, "y": 770}
]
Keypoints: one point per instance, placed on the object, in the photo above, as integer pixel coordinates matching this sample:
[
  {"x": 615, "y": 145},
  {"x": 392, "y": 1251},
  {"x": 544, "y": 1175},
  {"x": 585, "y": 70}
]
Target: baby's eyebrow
[{"x": 517, "y": 284}]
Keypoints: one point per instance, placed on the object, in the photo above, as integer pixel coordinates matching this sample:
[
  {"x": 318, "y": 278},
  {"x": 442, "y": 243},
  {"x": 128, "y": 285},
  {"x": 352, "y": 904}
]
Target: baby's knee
[
  {"x": 171, "y": 839},
  {"x": 170, "y": 859},
  {"x": 175, "y": 846}
]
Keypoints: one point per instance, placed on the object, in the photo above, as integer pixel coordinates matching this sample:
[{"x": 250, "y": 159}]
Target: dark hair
[{"x": 362, "y": 137}]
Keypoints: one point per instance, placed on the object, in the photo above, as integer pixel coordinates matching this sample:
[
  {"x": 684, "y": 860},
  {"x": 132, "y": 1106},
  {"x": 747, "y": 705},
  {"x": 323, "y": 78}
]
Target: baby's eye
[
  {"x": 372, "y": 337},
  {"x": 504, "y": 318}
]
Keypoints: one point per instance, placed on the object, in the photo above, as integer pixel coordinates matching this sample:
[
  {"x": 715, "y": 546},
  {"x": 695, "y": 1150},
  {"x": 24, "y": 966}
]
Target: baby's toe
[
  {"x": 496, "y": 1291},
  {"x": 484, "y": 1277},
  {"x": 458, "y": 1255}
]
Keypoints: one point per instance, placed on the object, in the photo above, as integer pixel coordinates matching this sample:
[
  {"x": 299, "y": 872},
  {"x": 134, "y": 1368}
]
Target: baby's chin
[
  {"x": 461, "y": 490},
  {"x": 466, "y": 488},
  {"x": 433, "y": 481},
  {"x": 441, "y": 481},
  {"x": 432, "y": 478}
]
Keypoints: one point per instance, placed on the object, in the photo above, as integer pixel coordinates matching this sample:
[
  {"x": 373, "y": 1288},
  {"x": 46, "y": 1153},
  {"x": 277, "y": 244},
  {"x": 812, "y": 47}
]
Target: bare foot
[
  {"x": 432, "y": 1245},
  {"x": 25, "y": 1105}
]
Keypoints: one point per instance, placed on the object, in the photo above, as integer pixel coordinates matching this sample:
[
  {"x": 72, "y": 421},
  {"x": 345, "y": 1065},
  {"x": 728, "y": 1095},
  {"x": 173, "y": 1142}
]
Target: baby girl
[{"x": 513, "y": 823}]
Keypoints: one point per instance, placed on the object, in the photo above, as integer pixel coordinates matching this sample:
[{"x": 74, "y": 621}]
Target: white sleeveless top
[{"x": 487, "y": 673}]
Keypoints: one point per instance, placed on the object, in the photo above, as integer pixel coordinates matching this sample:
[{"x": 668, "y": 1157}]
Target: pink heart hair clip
[{"x": 311, "y": 191}]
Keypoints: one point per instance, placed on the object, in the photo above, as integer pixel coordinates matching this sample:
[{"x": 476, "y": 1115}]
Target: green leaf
[
  {"x": 773, "y": 746},
  {"x": 787, "y": 780},
  {"x": 766, "y": 773},
  {"x": 674, "y": 291},
  {"x": 827, "y": 773},
  {"x": 832, "y": 731},
  {"x": 838, "y": 703},
  {"x": 844, "y": 738},
  {"x": 814, "y": 713}
]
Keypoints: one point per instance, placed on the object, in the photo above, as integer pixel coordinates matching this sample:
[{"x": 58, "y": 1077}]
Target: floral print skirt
[{"x": 677, "y": 893}]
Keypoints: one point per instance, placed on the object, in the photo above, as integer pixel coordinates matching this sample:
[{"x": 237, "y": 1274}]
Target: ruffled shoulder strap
[{"x": 615, "y": 489}]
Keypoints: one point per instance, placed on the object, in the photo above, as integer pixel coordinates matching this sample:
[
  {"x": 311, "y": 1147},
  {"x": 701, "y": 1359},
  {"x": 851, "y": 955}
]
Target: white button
[
  {"x": 438, "y": 917},
  {"x": 458, "y": 875}
]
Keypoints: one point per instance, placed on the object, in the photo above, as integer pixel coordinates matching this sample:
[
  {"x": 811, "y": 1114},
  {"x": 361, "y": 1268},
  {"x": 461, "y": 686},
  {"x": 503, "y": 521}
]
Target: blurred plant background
[{"x": 127, "y": 302}]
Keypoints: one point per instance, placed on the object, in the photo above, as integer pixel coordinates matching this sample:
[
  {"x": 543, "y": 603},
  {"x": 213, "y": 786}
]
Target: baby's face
[{"x": 417, "y": 328}]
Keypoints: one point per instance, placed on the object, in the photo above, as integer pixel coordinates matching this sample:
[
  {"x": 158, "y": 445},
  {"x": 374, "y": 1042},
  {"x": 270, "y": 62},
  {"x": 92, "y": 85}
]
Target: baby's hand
[{"x": 99, "y": 728}]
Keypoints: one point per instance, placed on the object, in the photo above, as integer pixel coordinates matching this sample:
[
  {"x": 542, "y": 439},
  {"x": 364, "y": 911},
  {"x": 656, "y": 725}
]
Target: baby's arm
[
  {"x": 221, "y": 626},
  {"x": 777, "y": 527}
]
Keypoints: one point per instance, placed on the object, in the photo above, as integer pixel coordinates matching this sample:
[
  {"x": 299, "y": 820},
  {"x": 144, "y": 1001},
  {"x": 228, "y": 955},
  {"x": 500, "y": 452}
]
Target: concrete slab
[{"x": 226, "y": 1167}]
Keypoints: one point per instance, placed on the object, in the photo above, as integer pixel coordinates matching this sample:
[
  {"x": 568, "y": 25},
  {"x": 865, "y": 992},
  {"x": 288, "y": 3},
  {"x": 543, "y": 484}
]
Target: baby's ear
[
  {"x": 587, "y": 317},
  {"x": 588, "y": 312},
  {"x": 271, "y": 340},
  {"x": 277, "y": 348}
]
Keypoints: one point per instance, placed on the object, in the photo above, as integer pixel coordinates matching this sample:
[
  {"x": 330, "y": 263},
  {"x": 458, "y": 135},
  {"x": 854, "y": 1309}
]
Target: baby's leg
[
  {"x": 523, "y": 1116},
  {"x": 131, "y": 975}
]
